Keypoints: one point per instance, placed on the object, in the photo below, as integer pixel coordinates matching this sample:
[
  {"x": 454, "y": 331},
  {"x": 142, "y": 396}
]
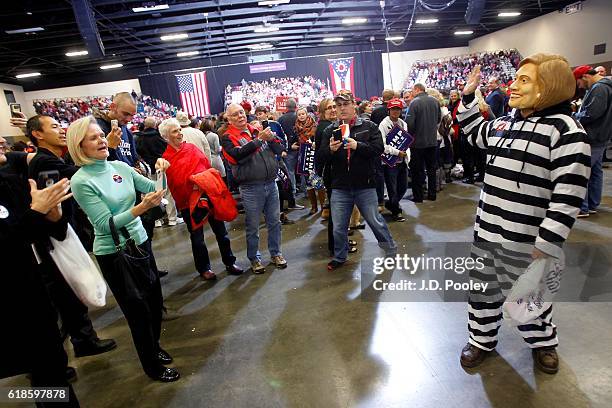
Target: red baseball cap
[
  {"x": 395, "y": 103},
  {"x": 582, "y": 70}
]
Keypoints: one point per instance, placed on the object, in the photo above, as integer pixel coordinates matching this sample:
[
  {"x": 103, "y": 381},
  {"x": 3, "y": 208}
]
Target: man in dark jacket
[
  {"x": 353, "y": 170},
  {"x": 382, "y": 112},
  {"x": 595, "y": 115},
  {"x": 287, "y": 122},
  {"x": 150, "y": 145},
  {"x": 496, "y": 99},
  {"x": 423, "y": 119},
  {"x": 252, "y": 156},
  {"x": 50, "y": 139}
]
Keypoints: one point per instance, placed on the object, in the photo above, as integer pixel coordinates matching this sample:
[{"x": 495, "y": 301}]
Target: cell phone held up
[
  {"x": 47, "y": 179},
  {"x": 337, "y": 135},
  {"x": 114, "y": 124},
  {"x": 161, "y": 182},
  {"x": 15, "y": 110},
  {"x": 265, "y": 124}
]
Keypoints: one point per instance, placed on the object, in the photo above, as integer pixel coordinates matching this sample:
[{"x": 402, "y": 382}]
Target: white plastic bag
[
  {"x": 534, "y": 290},
  {"x": 80, "y": 272}
]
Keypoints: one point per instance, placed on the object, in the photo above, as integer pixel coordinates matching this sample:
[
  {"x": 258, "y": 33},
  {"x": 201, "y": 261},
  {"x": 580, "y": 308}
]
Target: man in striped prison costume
[{"x": 537, "y": 169}]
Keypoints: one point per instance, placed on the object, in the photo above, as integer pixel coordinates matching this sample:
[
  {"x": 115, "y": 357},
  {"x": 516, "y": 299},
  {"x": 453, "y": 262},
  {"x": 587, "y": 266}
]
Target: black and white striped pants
[{"x": 484, "y": 320}]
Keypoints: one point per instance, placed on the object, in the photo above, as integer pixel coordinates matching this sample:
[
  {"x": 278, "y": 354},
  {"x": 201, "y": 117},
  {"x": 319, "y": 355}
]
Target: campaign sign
[
  {"x": 306, "y": 159},
  {"x": 399, "y": 139}
]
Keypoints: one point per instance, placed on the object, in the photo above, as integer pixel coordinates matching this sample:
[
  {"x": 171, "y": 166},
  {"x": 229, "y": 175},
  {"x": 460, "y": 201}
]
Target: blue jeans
[
  {"x": 291, "y": 162},
  {"x": 594, "y": 188},
  {"x": 365, "y": 199},
  {"x": 258, "y": 198}
]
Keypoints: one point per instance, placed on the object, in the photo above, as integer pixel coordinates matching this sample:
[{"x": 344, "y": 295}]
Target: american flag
[
  {"x": 341, "y": 71},
  {"x": 193, "y": 90}
]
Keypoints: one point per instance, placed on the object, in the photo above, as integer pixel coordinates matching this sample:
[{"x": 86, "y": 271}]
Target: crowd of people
[
  {"x": 446, "y": 73},
  {"x": 537, "y": 166},
  {"x": 307, "y": 89},
  {"x": 67, "y": 110}
]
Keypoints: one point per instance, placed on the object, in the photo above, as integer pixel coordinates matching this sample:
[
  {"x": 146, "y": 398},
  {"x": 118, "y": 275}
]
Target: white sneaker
[{"x": 158, "y": 224}]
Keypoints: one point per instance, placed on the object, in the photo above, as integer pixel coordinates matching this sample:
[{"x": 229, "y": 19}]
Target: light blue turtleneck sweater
[{"x": 107, "y": 189}]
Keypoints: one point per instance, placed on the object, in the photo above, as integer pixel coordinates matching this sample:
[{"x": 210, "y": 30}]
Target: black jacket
[
  {"x": 379, "y": 113},
  {"x": 360, "y": 172},
  {"x": 252, "y": 162},
  {"x": 150, "y": 146},
  {"x": 287, "y": 121},
  {"x": 25, "y": 309},
  {"x": 423, "y": 119}
]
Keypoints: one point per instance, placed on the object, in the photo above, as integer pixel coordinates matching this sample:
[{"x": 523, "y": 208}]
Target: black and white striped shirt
[{"x": 537, "y": 170}]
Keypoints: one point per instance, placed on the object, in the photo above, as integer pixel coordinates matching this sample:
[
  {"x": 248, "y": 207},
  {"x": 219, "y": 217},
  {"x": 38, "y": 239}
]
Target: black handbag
[{"x": 133, "y": 263}]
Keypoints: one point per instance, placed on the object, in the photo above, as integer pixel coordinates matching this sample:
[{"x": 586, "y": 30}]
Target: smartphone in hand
[
  {"x": 15, "y": 110},
  {"x": 114, "y": 123},
  {"x": 337, "y": 134},
  {"x": 162, "y": 181},
  {"x": 47, "y": 179},
  {"x": 265, "y": 124}
]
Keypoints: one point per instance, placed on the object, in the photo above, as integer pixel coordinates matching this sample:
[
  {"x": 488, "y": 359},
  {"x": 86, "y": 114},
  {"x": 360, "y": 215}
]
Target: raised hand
[
  {"x": 473, "y": 81},
  {"x": 49, "y": 198}
]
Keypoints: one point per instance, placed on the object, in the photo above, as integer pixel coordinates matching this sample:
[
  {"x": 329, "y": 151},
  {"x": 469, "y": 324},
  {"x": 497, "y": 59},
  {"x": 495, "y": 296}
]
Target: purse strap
[{"x": 115, "y": 235}]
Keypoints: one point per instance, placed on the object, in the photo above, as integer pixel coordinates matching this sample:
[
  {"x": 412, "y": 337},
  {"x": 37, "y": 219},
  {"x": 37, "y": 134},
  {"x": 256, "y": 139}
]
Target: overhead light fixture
[
  {"x": 29, "y": 13},
  {"x": 333, "y": 39},
  {"x": 28, "y": 75},
  {"x": 354, "y": 20},
  {"x": 187, "y": 54},
  {"x": 172, "y": 37},
  {"x": 150, "y": 8},
  {"x": 395, "y": 38},
  {"x": 25, "y": 30},
  {"x": 427, "y": 21},
  {"x": 465, "y": 32},
  {"x": 266, "y": 29},
  {"x": 260, "y": 46},
  {"x": 76, "y": 53},
  {"x": 509, "y": 14},
  {"x": 273, "y": 2},
  {"x": 111, "y": 66}
]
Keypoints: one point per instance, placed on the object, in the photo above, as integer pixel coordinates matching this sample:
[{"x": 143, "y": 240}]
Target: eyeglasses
[{"x": 330, "y": 107}]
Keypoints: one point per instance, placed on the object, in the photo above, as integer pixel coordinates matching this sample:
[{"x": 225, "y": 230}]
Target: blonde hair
[
  {"x": 74, "y": 137},
  {"x": 436, "y": 94},
  {"x": 323, "y": 106},
  {"x": 555, "y": 79}
]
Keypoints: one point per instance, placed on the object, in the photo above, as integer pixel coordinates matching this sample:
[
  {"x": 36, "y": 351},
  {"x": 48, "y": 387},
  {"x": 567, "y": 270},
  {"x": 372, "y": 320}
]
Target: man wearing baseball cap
[
  {"x": 351, "y": 146},
  {"x": 396, "y": 177},
  {"x": 595, "y": 115}
]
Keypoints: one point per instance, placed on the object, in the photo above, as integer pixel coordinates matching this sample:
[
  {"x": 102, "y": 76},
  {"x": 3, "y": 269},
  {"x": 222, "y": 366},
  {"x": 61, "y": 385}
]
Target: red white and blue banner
[
  {"x": 193, "y": 91},
  {"x": 342, "y": 74}
]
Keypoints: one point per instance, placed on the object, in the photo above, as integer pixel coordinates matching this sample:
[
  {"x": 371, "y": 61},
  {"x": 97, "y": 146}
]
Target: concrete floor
[{"x": 302, "y": 337}]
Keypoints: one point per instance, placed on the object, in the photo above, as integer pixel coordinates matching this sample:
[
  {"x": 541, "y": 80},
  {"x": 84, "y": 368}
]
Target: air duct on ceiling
[
  {"x": 474, "y": 11},
  {"x": 87, "y": 27}
]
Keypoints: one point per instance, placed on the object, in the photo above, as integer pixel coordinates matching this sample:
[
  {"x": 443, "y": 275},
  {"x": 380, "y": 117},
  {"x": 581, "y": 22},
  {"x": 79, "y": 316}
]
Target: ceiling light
[
  {"x": 273, "y": 2},
  {"x": 76, "y": 53},
  {"x": 427, "y": 21},
  {"x": 171, "y": 37},
  {"x": 150, "y": 8},
  {"x": 395, "y": 38},
  {"x": 466, "y": 32},
  {"x": 266, "y": 29},
  {"x": 509, "y": 14},
  {"x": 111, "y": 66},
  {"x": 354, "y": 20},
  {"x": 29, "y": 13},
  {"x": 31, "y": 74},
  {"x": 260, "y": 46},
  {"x": 333, "y": 39},
  {"x": 25, "y": 30},
  {"x": 187, "y": 54}
]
